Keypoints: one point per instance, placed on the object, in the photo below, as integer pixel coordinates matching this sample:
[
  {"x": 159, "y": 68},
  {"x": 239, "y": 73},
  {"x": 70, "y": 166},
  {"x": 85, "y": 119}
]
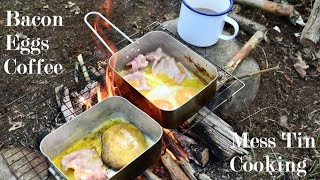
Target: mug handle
[{"x": 235, "y": 26}]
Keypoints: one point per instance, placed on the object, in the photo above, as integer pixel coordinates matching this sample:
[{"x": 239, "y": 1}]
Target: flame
[
  {"x": 86, "y": 102},
  {"x": 101, "y": 27},
  {"x": 177, "y": 143}
]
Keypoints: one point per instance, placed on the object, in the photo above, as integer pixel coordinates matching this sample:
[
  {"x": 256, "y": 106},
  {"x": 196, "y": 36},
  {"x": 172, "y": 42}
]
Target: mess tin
[
  {"x": 174, "y": 48},
  {"x": 108, "y": 109}
]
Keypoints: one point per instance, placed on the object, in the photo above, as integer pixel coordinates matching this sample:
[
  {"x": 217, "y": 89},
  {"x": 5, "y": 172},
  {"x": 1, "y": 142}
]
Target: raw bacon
[
  {"x": 155, "y": 56},
  {"x": 137, "y": 80},
  {"x": 169, "y": 66},
  {"x": 86, "y": 163},
  {"x": 138, "y": 63}
]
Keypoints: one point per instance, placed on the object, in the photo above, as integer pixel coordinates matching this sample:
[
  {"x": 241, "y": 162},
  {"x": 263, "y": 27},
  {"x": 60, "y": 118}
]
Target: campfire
[{"x": 185, "y": 148}]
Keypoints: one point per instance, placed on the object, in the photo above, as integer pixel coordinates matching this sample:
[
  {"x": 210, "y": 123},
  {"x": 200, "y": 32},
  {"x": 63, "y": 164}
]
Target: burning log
[
  {"x": 173, "y": 145},
  {"x": 181, "y": 156},
  {"x": 173, "y": 168},
  {"x": 248, "y": 25},
  {"x": 150, "y": 175},
  {"x": 214, "y": 131},
  {"x": 196, "y": 151},
  {"x": 311, "y": 33}
]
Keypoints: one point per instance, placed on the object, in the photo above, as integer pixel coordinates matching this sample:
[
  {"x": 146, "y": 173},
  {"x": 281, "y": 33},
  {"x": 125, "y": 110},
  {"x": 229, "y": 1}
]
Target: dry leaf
[
  {"x": 288, "y": 78},
  {"x": 16, "y": 125},
  {"x": 21, "y": 35},
  {"x": 283, "y": 122},
  {"x": 300, "y": 65},
  {"x": 276, "y": 28},
  {"x": 76, "y": 10}
]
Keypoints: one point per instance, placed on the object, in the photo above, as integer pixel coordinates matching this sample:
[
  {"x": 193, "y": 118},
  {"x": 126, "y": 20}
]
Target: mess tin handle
[
  {"x": 97, "y": 34},
  {"x": 235, "y": 25}
]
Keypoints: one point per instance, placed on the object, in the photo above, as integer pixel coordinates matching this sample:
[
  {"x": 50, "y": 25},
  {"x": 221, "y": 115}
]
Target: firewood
[
  {"x": 269, "y": 6},
  {"x": 176, "y": 173},
  {"x": 196, "y": 152},
  {"x": 215, "y": 132},
  {"x": 83, "y": 68},
  {"x": 150, "y": 175},
  {"x": 204, "y": 177},
  {"x": 240, "y": 56},
  {"x": 248, "y": 25},
  {"x": 187, "y": 168},
  {"x": 64, "y": 102},
  {"x": 311, "y": 33},
  {"x": 173, "y": 147},
  {"x": 245, "y": 51}
]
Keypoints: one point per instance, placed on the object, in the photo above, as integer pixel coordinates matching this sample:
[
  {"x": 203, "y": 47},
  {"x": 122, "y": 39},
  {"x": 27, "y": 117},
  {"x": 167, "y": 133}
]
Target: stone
[{"x": 220, "y": 54}]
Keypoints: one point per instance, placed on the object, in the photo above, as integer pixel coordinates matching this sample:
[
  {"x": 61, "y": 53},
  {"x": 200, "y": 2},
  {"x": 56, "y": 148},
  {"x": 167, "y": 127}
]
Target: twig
[
  {"x": 240, "y": 56},
  {"x": 256, "y": 73},
  {"x": 269, "y": 107},
  {"x": 265, "y": 55}
]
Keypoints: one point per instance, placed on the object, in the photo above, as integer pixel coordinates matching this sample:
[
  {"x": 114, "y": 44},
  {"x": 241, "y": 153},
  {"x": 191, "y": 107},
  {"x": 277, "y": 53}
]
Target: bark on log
[
  {"x": 176, "y": 173},
  {"x": 212, "y": 130},
  {"x": 311, "y": 33},
  {"x": 248, "y": 25},
  {"x": 173, "y": 147},
  {"x": 196, "y": 151},
  {"x": 253, "y": 42},
  {"x": 269, "y": 6},
  {"x": 187, "y": 168},
  {"x": 245, "y": 50}
]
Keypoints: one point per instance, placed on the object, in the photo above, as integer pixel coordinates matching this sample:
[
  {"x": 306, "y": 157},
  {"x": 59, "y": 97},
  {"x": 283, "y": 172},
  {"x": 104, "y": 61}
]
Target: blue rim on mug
[{"x": 209, "y": 14}]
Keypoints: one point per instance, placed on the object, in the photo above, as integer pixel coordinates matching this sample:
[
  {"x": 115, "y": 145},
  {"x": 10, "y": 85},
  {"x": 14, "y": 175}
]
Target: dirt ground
[{"x": 282, "y": 94}]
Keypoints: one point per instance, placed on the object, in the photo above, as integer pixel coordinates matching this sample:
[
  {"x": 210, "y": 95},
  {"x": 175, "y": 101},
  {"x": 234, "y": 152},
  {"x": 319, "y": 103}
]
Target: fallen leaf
[
  {"x": 70, "y": 5},
  {"x": 21, "y": 35},
  {"x": 276, "y": 28},
  {"x": 279, "y": 39},
  {"x": 300, "y": 65},
  {"x": 16, "y": 126},
  {"x": 76, "y": 10},
  {"x": 288, "y": 78},
  {"x": 297, "y": 35},
  {"x": 283, "y": 122}
]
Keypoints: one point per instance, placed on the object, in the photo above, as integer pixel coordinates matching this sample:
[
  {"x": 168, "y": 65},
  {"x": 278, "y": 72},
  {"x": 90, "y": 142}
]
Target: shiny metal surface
[
  {"x": 93, "y": 118},
  {"x": 191, "y": 60}
]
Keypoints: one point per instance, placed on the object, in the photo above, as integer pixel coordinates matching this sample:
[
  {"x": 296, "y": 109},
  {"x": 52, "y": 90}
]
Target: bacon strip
[{"x": 86, "y": 163}]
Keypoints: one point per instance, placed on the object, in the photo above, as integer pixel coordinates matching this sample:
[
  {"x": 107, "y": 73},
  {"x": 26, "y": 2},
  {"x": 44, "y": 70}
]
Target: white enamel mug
[{"x": 201, "y": 22}]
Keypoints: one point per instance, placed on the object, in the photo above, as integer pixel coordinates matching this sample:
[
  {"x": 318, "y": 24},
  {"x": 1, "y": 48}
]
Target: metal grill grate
[
  {"x": 38, "y": 109},
  {"x": 25, "y": 163}
]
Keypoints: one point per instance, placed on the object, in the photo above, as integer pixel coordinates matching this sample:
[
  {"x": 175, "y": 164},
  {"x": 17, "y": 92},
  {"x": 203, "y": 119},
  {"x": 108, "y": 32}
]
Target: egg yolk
[
  {"x": 184, "y": 95},
  {"x": 163, "y": 104},
  {"x": 134, "y": 83}
]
